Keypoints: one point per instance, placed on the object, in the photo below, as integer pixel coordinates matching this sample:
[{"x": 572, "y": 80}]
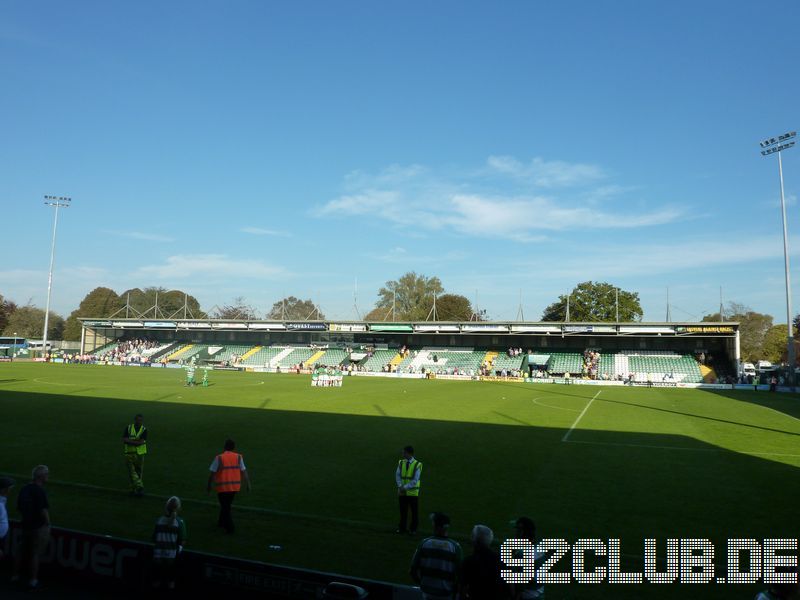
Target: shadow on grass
[{"x": 324, "y": 482}]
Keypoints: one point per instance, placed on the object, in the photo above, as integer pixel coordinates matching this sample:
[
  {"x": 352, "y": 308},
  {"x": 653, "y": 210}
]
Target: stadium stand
[
  {"x": 330, "y": 358},
  {"x": 660, "y": 365},
  {"x": 295, "y": 356},
  {"x": 504, "y": 362},
  {"x": 199, "y": 351},
  {"x": 314, "y": 359},
  {"x": 228, "y": 351},
  {"x": 105, "y": 348},
  {"x": 565, "y": 362},
  {"x": 261, "y": 357},
  {"x": 656, "y": 365},
  {"x": 379, "y": 359},
  {"x": 179, "y": 351},
  {"x": 444, "y": 361}
]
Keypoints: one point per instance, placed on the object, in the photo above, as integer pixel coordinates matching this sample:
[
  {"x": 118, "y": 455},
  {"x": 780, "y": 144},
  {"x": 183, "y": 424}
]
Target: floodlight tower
[
  {"x": 769, "y": 146},
  {"x": 56, "y": 202}
]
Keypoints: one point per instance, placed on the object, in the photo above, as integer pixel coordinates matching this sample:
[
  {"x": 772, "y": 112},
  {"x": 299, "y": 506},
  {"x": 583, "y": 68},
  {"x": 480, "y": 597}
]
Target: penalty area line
[{"x": 578, "y": 420}]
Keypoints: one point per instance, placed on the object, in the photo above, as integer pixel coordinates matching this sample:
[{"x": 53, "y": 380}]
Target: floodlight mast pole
[
  {"x": 790, "y": 358},
  {"x": 772, "y": 146},
  {"x": 56, "y": 202}
]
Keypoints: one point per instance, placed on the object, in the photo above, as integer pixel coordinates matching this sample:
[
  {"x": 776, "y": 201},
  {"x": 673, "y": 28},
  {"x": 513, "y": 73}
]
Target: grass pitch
[{"x": 583, "y": 461}]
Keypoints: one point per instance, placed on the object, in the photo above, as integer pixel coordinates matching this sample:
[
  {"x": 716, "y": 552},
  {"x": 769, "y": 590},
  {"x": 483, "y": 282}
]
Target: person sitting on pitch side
[
  {"x": 134, "y": 440},
  {"x": 226, "y": 474},
  {"x": 407, "y": 476}
]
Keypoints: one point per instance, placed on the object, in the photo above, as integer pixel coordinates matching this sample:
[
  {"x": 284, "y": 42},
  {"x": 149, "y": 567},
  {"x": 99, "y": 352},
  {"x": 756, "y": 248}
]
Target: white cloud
[
  {"x": 209, "y": 266},
  {"x": 419, "y": 199},
  {"x": 547, "y": 174},
  {"x": 262, "y": 231}
]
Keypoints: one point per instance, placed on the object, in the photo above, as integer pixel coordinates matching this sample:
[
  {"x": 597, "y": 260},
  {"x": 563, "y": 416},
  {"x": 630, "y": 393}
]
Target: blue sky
[{"x": 260, "y": 149}]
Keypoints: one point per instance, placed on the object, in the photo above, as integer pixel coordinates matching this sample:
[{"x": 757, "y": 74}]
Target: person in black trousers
[
  {"x": 226, "y": 474},
  {"x": 407, "y": 476}
]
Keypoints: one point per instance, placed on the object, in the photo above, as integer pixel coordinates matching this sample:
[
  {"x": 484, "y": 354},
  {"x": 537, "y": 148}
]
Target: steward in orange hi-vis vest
[
  {"x": 228, "y": 477},
  {"x": 227, "y": 472}
]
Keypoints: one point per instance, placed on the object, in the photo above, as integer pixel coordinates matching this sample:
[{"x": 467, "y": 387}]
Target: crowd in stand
[
  {"x": 131, "y": 351},
  {"x": 591, "y": 363}
]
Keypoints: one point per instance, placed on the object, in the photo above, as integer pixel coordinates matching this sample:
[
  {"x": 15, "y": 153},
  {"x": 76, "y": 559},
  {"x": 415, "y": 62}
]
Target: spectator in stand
[
  {"x": 34, "y": 509},
  {"x": 437, "y": 561},
  {"x": 6, "y": 484},
  {"x": 169, "y": 538},
  {"x": 525, "y": 529},
  {"x": 480, "y": 577}
]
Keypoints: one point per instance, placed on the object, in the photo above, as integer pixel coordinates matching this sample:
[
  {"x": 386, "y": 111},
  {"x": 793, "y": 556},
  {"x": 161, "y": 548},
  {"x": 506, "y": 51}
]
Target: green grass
[{"x": 640, "y": 463}]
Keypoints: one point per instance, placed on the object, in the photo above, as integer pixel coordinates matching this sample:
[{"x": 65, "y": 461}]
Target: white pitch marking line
[
  {"x": 580, "y": 416},
  {"x": 555, "y": 407}
]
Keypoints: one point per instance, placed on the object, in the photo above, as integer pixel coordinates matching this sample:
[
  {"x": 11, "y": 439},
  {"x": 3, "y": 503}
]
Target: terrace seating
[
  {"x": 565, "y": 362},
  {"x": 104, "y": 348},
  {"x": 379, "y": 359},
  {"x": 296, "y": 356},
  {"x": 332, "y": 357},
  {"x": 262, "y": 357},
  {"x": 194, "y": 351},
  {"x": 229, "y": 350},
  {"x": 660, "y": 364},
  {"x": 508, "y": 363},
  {"x": 443, "y": 361}
]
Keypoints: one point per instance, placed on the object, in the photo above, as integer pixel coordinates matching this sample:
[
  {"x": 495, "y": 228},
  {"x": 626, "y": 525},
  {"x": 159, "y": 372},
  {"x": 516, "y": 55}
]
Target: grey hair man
[{"x": 480, "y": 577}]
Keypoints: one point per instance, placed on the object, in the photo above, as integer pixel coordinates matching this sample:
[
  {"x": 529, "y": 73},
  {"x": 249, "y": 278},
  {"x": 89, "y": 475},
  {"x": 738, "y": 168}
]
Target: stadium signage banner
[
  {"x": 125, "y": 565},
  {"x": 229, "y": 325},
  {"x": 436, "y": 328},
  {"x": 391, "y": 328},
  {"x": 589, "y": 329},
  {"x": 305, "y": 326},
  {"x": 647, "y": 330},
  {"x": 382, "y": 374},
  {"x": 499, "y": 378},
  {"x": 705, "y": 329},
  {"x": 267, "y": 326},
  {"x": 535, "y": 329},
  {"x": 98, "y": 323},
  {"x": 126, "y": 324},
  {"x": 458, "y": 377},
  {"x": 161, "y": 324},
  {"x": 485, "y": 328},
  {"x": 193, "y": 325},
  {"x": 89, "y": 555},
  {"x": 348, "y": 327}
]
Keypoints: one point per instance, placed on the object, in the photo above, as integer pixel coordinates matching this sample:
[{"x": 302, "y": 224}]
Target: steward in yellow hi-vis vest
[
  {"x": 134, "y": 444},
  {"x": 407, "y": 476}
]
